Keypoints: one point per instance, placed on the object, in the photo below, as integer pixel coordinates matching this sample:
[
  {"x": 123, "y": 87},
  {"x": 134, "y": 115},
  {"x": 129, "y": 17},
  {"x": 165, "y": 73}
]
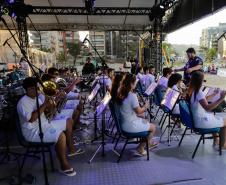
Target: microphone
[{"x": 85, "y": 39}]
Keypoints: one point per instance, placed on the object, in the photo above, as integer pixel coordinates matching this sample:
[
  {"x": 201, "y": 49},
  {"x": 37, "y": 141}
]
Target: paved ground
[{"x": 167, "y": 165}]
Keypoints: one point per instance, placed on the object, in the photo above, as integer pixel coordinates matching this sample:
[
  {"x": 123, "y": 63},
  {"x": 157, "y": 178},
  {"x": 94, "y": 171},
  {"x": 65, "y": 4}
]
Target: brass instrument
[{"x": 49, "y": 89}]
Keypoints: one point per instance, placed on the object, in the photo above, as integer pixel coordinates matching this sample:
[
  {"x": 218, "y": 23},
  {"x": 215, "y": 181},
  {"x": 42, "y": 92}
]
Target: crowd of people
[{"x": 58, "y": 126}]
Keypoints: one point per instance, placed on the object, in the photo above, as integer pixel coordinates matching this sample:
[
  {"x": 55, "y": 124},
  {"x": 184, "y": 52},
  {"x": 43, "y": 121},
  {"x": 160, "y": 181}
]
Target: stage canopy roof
[{"x": 113, "y": 14}]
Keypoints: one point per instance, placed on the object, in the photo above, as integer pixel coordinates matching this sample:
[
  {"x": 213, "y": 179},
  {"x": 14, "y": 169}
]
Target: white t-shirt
[
  {"x": 148, "y": 79},
  {"x": 106, "y": 81},
  {"x": 163, "y": 81},
  {"x": 176, "y": 109},
  {"x": 25, "y": 107},
  {"x": 202, "y": 118}
]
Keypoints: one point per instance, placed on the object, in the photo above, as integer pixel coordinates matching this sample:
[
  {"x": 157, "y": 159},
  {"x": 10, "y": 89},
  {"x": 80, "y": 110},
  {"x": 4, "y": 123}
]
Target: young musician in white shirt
[
  {"x": 148, "y": 78},
  {"x": 203, "y": 118},
  {"x": 129, "y": 111},
  {"x": 53, "y": 131},
  {"x": 163, "y": 81}
]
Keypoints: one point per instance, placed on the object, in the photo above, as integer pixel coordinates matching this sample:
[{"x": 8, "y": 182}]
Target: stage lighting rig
[
  {"x": 90, "y": 5},
  {"x": 15, "y": 8}
]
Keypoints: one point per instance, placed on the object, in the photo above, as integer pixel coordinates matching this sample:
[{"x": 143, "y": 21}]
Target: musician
[
  {"x": 163, "y": 81},
  {"x": 200, "y": 107},
  {"x": 88, "y": 67},
  {"x": 148, "y": 78},
  {"x": 69, "y": 110},
  {"x": 53, "y": 131},
  {"x": 139, "y": 74},
  {"x": 129, "y": 111},
  {"x": 105, "y": 79},
  {"x": 194, "y": 63},
  {"x": 115, "y": 85},
  {"x": 68, "y": 88},
  {"x": 174, "y": 83}
]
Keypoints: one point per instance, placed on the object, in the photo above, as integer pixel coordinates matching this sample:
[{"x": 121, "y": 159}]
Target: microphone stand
[
  {"x": 37, "y": 100},
  {"x": 102, "y": 145}
]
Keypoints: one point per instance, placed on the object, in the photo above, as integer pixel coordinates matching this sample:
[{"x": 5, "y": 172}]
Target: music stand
[
  {"x": 168, "y": 103},
  {"x": 94, "y": 92},
  {"x": 101, "y": 110},
  {"x": 151, "y": 88}
]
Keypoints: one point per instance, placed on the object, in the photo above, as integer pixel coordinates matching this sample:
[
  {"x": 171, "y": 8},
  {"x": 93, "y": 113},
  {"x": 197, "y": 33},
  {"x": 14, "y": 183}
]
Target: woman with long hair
[
  {"x": 115, "y": 85},
  {"x": 200, "y": 107},
  {"x": 129, "y": 111},
  {"x": 174, "y": 83}
]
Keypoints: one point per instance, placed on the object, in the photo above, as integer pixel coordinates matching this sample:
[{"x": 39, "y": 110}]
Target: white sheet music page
[
  {"x": 170, "y": 98},
  {"x": 151, "y": 88},
  {"x": 216, "y": 97},
  {"x": 94, "y": 92},
  {"x": 103, "y": 103}
]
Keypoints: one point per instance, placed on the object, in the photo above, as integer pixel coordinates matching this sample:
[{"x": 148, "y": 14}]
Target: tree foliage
[
  {"x": 61, "y": 57},
  {"x": 74, "y": 49}
]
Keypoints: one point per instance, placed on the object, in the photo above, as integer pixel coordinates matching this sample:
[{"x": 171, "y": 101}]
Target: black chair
[
  {"x": 32, "y": 148},
  {"x": 126, "y": 135},
  {"x": 187, "y": 120}
]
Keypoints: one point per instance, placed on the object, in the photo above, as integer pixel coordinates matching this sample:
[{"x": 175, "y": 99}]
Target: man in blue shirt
[{"x": 194, "y": 64}]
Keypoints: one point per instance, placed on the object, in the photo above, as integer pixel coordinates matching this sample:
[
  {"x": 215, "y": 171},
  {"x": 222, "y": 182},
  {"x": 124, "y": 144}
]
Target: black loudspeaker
[{"x": 146, "y": 52}]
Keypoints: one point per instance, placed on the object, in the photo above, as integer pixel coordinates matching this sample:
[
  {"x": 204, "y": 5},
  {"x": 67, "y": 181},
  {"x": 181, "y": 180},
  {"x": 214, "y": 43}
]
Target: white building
[{"x": 98, "y": 40}]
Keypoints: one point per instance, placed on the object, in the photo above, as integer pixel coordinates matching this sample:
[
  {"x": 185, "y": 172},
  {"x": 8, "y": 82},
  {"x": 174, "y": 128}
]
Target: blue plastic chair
[
  {"x": 158, "y": 96},
  {"x": 187, "y": 120},
  {"x": 126, "y": 135}
]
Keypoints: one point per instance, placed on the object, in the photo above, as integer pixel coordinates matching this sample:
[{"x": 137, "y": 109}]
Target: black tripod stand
[{"x": 23, "y": 52}]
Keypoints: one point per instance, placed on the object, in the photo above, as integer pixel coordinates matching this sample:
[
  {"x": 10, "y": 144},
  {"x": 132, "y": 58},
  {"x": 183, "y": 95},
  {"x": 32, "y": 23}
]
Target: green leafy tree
[
  {"x": 74, "y": 49},
  {"x": 47, "y": 50},
  {"x": 61, "y": 57},
  {"x": 211, "y": 54}
]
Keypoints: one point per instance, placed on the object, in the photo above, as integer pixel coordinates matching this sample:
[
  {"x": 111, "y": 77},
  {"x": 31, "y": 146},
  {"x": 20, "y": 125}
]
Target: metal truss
[
  {"x": 46, "y": 10},
  {"x": 77, "y": 27}
]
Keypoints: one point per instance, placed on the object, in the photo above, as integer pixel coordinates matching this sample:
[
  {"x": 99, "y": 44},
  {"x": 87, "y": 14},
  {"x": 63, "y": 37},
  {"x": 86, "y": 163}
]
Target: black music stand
[
  {"x": 168, "y": 103},
  {"x": 101, "y": 110}
]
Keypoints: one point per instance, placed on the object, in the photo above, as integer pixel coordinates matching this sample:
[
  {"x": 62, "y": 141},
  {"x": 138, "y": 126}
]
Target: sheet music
[
  {"x": 216, "y": 97},
  {"x": 170, "y": 98},
  {"x": 94, "y": 92},
  {"x": 103, "y": 103},
  {"x": 151, "y": 88},
  {"x": 205, "y": 90}
]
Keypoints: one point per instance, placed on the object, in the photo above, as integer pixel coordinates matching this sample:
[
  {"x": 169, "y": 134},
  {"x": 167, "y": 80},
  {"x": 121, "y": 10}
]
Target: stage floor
[{"x": 167, "y": 165}]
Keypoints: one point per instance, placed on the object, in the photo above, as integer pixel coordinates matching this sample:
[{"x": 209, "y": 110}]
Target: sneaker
[
  {"x": 77, "y": 152},
  {"x": 70, "y": 172}
]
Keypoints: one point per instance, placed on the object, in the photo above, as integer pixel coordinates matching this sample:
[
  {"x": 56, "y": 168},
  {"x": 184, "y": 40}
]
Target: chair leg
[
  {"x": 116, "y": 144},
  {"x": 120, "y": 156},
  {"x": 220, "y": 141},
  {"x": 164, "y": 121},
  {"x": 24, "y": 159},
  {"x": 147, "y": 145},
  {"x": 182, "y": 136},
  {"x": 172, "y": 129},
  {"x": 200, "y": 139},
  {"x": 51, "y": 159},
  {"x": 203, "y": 140},
  {"x": 156, "y": 113},
  {"x": 161, "y": 119}
]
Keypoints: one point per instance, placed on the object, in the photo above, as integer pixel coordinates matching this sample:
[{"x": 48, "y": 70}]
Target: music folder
[
  {"x": 170, "y": 98},
  {"x": 151, "y": 88},
  {"x": 94, "y": 92},
  {"x": 216, "y": 97},
  {"x": 100, "y": 108}
]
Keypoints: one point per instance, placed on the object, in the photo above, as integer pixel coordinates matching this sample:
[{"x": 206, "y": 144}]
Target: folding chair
[
  {"x": 187, "y": 120},
  {"x": 126, "y": 135}
]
